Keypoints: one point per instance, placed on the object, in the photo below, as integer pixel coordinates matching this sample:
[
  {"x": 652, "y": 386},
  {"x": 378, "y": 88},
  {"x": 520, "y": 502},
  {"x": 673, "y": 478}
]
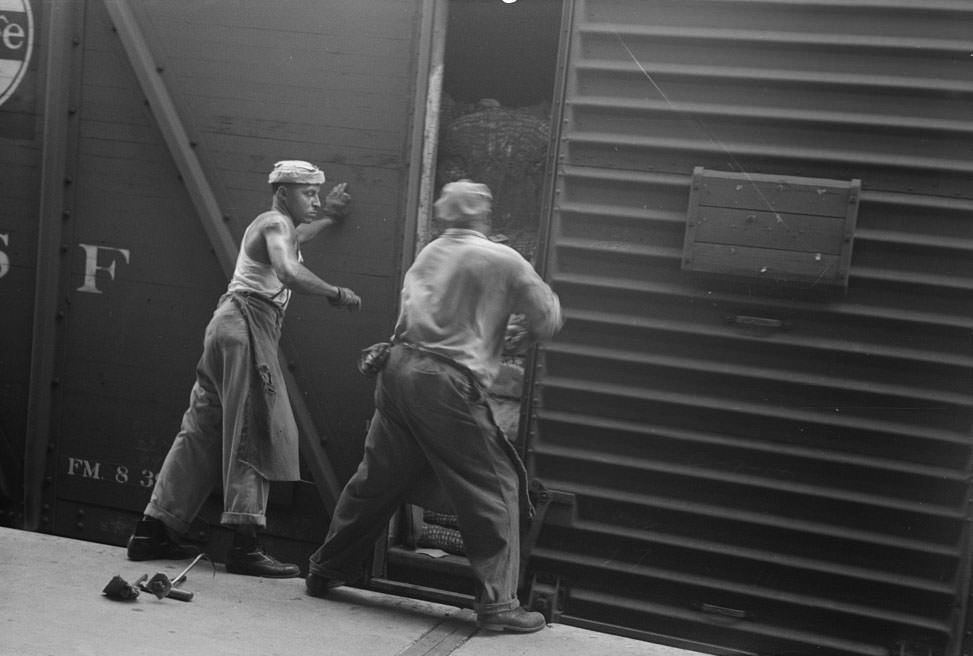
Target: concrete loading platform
[{"x": 53, "y": 606}]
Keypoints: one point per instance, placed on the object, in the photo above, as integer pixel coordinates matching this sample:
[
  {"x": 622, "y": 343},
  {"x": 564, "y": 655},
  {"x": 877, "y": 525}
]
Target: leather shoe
[
  {"x": 517, "y": 620},
  {"x": 152, "y": 541},
  {"x": 254, "y": 561},
  {"x": 320, "y": 586}
]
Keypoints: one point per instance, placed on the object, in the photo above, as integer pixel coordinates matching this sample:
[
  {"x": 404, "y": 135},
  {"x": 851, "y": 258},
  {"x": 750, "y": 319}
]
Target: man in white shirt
[{"x": 431, "y": 413}]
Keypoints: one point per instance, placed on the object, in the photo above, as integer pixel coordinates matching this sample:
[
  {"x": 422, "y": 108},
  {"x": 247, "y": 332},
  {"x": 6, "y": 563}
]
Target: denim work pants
[
  {"x": 206, "y": 451},
  {"x": 431, "y": 419}
]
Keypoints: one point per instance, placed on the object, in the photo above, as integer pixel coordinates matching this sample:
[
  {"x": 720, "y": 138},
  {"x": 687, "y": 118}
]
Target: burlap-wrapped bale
[{"x": 505, "y": 149}]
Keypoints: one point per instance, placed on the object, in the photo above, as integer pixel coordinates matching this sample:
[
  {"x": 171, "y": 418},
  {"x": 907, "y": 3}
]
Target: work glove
[
  {"x": 347, "y": 299},
  {"x": 516, "y": 338},
  {"x": 336, "y": 202}
]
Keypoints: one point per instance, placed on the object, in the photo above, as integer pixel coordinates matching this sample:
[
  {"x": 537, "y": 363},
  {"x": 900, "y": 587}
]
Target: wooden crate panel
[
  {"x": 770, "y": 227},
  {"x": 777, "y": 230}
]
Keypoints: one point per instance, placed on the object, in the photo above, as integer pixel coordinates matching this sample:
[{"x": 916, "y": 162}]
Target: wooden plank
[
  {"x": 323, "y": 24},
  {"x": 763, "y": 263},
  {"x": 763, "y": 229},
  {"x": 424, "y": 138},
  {"x": 816, "y": 197},
  {"x": 250, "y": 120}
]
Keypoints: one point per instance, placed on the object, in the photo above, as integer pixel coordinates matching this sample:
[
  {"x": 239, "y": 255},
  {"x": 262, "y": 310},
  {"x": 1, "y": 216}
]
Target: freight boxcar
[{"x": 752, "y": 435}]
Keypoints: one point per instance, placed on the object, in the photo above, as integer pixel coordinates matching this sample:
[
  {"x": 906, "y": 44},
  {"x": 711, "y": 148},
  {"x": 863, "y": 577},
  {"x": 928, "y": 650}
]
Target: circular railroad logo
[{"x": 16, "y": 44}]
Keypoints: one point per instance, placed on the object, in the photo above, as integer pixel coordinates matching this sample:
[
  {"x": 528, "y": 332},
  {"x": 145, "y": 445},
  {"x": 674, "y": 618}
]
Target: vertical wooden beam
[
  {"x": 424, "y": 141},
  {"x": 425, "y": 128},
  {"x": 208, "y": 209},
  {"x": 60, "y": 19}
]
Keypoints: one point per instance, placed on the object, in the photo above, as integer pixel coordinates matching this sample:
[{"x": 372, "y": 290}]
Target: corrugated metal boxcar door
[{"x": 748, "y": 465}]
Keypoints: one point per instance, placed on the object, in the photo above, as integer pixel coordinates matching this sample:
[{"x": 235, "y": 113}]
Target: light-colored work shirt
[{"x": 459, "y": 294}]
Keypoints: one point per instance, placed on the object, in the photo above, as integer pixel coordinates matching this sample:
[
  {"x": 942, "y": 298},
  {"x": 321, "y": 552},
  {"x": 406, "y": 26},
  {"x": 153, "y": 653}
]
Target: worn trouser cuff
[
  {"x": 175, "y": 524},
  {"x": 243, "y": 519},
  {"x": 498, "y": 607},
  {"x": 326, "y": 573}
]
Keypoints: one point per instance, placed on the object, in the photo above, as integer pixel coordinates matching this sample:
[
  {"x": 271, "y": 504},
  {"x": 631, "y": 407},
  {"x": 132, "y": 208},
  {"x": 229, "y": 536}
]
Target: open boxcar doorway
[{"x": 488, "y": 118}]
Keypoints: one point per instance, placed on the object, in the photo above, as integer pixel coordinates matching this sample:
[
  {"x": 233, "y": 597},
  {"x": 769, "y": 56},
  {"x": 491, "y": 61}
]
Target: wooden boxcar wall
[
  {"x": 132, "y": 272},
  {"x": 747, "y": 465},
  {"x": 19, "y": 163}
]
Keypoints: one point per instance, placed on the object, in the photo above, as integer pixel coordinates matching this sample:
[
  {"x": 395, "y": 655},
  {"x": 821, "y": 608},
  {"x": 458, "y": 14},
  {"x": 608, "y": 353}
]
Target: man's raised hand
[{"x": 336, "y": 203}]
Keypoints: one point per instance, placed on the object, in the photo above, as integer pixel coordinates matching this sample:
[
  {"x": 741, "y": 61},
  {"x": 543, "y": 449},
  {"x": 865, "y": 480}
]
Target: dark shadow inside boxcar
[{"x": 494, "y": 127}]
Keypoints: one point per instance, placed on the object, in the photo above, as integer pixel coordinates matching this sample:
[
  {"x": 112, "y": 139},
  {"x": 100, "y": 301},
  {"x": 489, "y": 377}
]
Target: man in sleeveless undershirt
[{"x": 239, "y": 430}]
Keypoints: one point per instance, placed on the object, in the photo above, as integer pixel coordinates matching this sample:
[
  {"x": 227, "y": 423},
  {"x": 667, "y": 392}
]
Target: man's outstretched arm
[
  {"x": 335, "y": 210},
  {"x": 294, "y": 275}
]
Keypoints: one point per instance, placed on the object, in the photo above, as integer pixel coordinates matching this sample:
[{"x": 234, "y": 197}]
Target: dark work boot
[
  {"x": 152, "y": 541},
  {"x": 516, "y": 620},
  {"x": 246, "y": 556}
]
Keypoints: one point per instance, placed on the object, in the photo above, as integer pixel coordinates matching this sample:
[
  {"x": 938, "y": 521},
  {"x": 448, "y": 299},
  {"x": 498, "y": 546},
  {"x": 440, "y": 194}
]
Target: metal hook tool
[{"x": 162, "y": 586}]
